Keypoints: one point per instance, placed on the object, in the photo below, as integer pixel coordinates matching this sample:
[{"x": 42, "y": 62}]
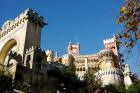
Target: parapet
[
  {"x": 34, "y": 48},
  {"x": 28, "y": 14},
  {"x": 30, "y": 49}
]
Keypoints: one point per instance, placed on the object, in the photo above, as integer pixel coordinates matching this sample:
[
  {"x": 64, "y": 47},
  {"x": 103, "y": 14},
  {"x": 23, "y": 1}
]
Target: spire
[{"x": 76, "y": 37}]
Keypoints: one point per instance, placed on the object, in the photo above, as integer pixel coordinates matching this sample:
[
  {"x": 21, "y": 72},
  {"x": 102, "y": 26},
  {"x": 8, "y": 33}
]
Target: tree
[
  {"x": 70, "y": 69},
  {"x": 5, "y": 82},
  {"x": 130, "y": 18},
  {"x": 134, "y": 88},
  {"x": 128, "y": 39},
  {"x": 92, "y": 83},
  {"x": 69, "y": 78},
  {"x": 113, "y": 89}
]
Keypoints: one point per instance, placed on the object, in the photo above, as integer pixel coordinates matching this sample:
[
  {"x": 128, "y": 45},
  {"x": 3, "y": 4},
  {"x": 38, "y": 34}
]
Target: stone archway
[{"x": 5, "y": 50}]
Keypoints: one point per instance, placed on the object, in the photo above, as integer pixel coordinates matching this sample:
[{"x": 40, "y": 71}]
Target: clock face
[{"x": 74, "y": 51}]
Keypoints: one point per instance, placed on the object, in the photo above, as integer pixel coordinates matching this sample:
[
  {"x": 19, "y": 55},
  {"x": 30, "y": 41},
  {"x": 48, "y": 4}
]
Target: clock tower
[{"x": 74, "y": 49}]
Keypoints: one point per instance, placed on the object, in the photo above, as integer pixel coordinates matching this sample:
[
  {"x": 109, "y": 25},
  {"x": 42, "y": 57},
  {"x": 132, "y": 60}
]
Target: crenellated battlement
[
  {"x": 34, "y": 48},
  {"x": 28, "y": 14},
  {"x": 108, "y": 41},
  {"x": 109, "y": 73},
  {"x": 30, "y": 49}
]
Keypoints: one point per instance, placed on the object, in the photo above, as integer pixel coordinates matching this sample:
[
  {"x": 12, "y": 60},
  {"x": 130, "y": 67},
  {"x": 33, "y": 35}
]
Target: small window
[
  {"x": 83, "y": 68},
  {"x": 28, "y": 61},
  {"x": 80, "y": 69},
  {"x": 77, "y": 69}
]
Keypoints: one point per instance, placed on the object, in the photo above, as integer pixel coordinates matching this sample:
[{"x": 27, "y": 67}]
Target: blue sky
[{"x": 92, "y": 21}]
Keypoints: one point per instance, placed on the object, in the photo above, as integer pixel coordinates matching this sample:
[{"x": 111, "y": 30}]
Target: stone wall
[{"x": 29, "y": 81}]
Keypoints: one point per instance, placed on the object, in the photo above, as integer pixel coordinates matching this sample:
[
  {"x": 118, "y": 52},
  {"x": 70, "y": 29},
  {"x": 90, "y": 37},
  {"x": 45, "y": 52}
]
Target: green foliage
[
  {"x": 130, "y": 18},
  {"x": 135, "y": 78},
  {"x": 5, "y": 82},
  {"x": 114, "y": 89},
  {"x": 70, "y": 70},
  {"x": 134, "y": 88},
  {"x": 92, "y": 83},
  {"x": 69, "y": 79}
]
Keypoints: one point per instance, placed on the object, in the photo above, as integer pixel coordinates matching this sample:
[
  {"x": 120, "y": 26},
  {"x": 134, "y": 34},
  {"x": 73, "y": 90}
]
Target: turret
[
  {"x": 109, "y": 72},
  {"x": 56, "y": 59},
  {"x": 34, "y": 58},
  {"x": 23, "y": 32},
  {"x": 49, "y": 54},
  {"x": 78, "y": 46},
  {"x": 127, "y": 73}
]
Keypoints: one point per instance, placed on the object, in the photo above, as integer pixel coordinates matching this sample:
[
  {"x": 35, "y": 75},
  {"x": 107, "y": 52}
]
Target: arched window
[
  {"x": 83, "y": 68},
  {"x": 80, "y": 69},
  {"x": 77, "y": 69},
  {"x": 38, "y": 64}
]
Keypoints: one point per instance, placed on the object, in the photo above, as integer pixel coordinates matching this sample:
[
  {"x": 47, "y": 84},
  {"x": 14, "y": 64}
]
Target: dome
[{"x": 106, "y": 53}]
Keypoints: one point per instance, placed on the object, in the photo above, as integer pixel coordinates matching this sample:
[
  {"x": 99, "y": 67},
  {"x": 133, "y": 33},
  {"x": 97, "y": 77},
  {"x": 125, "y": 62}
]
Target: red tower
[{"x": 111, "y": 44}]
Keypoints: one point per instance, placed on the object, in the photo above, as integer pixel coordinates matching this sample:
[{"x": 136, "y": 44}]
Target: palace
[
  {"x": 21, "y": 55},
  {"x": 105, "y": 64}
]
